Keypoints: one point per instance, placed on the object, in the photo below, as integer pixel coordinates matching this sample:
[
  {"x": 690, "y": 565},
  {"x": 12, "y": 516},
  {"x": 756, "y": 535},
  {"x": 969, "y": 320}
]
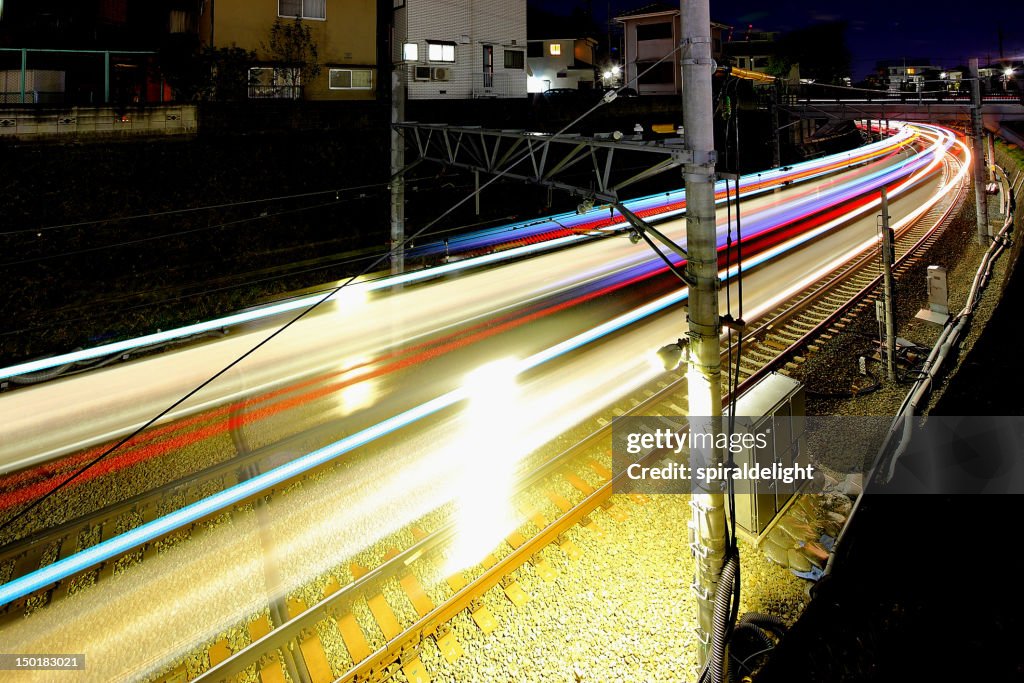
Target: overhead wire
[{"x": 194, "y": 209}]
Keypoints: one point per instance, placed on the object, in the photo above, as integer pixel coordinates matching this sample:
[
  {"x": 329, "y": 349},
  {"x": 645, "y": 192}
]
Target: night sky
[{"x": 944, "y": 32}]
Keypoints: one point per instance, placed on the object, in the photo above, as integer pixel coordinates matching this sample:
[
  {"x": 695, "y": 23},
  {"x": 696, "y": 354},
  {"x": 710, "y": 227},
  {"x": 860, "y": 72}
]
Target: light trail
[
  {"x": 757, "y": 183},
  {"x": 224, "y": 499}
]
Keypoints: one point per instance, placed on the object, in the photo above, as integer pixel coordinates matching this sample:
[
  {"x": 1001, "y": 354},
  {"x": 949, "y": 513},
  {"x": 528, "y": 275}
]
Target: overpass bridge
[
  {"x": 994, "y": 109},
  {"x": 976, "y": 114}
]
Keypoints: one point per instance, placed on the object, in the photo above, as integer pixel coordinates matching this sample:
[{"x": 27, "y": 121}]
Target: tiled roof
[{"x": 651, "y": 8}]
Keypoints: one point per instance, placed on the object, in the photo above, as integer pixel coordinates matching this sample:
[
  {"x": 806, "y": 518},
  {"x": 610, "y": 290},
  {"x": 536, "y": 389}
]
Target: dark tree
[
  {"x": 291, "y": 45},
  {"x": 820, "y": 50}
]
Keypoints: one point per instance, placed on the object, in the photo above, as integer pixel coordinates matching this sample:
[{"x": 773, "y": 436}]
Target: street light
[
  {"x": 1008, "y": 72},
  {"x": 672, "y": 354}
]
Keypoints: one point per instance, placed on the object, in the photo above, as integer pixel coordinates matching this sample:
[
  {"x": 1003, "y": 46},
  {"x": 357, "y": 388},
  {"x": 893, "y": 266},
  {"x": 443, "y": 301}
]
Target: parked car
[{"x": 561, "y": 93}]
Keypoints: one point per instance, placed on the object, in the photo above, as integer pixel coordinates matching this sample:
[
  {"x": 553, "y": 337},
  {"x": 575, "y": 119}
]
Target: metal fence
[{"x": 275, "y": 92}]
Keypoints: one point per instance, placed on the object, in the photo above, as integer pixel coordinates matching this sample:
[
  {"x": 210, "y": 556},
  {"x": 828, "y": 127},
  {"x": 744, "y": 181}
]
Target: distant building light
[
  {"x": 943, "y": 75},
  {"x": 411, "y": 52}
]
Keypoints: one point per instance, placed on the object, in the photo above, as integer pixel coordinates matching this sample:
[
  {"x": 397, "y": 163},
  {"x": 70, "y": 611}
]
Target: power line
[
  {"x": 152, "y": 238},
  {"x": 211, "y": 207}
]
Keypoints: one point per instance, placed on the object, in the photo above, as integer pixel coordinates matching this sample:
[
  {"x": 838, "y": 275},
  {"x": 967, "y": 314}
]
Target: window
[
  {"x": 440, "y": 52},
  {"x": 304, "y": 9},
  {"x": 411, "y": 52},
  {"x": 555, "y": 49},
  {"x": 654, "y": 31},
  {"x": 514, "y": 59},
  {"x": 350, "y": 79}
]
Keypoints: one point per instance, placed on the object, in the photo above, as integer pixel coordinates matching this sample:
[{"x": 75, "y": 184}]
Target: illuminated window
[
  {"x": 911, "y": 71},
  {"x": 350, "y": 79},
  {"x": 411, "y": 52},
  {"x": 304, "y": 9},
  {"x": 555, "y": 49},
  {"x": 441, "y": 52}
]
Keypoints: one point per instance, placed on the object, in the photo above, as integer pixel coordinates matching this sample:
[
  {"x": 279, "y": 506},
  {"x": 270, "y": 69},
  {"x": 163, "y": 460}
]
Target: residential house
[
  {"x": 911, "y": 75},
  {"x": 461, "y": 49},
  {"x": 651, "y": 34},
  {"x": 751, "y": 49},
  {"x": 560, "y": 63},
  {"x": 80, "y": 53},
  {"x": 344, "y": 31}
]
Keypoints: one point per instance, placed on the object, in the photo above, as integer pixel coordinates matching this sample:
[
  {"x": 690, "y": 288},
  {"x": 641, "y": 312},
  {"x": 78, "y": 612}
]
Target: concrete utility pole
[
  {"x": 776, "y": 146},
  {"x": 397, "y": 169},
  {"x": 704, "y": 376},
  {"x": 978, "y": 150},
  {"x": 888, "y": 256}
]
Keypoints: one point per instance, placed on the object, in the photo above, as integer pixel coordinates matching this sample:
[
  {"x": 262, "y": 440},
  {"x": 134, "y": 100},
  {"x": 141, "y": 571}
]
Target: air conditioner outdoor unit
[
  {"x": 441, "y": 73},
  {"x": 421, "y": 73}
]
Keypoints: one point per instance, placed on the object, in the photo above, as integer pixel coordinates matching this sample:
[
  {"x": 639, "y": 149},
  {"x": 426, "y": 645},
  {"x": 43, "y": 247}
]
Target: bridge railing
[{"x": 806, "y": 93}]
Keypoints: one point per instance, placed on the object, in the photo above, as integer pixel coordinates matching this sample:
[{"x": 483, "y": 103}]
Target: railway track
[
  {"x": 787, "y": 331},
  {"x": 784, "y": 338},
  {"x": 560, "y": 492}
]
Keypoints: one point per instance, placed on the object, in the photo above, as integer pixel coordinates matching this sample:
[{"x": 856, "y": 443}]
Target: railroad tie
[
  {"x": 577, "y": 483},
  {"x": 591, "y": 525},
  {"x": 384, "y": 616},
  {"x": 448, "y": 644},
  {"x": 615, "y": 511},
  {"x": 537, "y": 519},
  {"x": 219, "y": 651},
  {"x": 515, "y": 539},
  {"x": 545, "y": 571},
  {"x": 600, "y": 470},
  {"x": 311, "y": 647},
  {"x": 571, "y": 550},
  {"x": 514, "y": 592},
  {"x": 456, "y": 582},
  {"x": 352, "y": 636},
  {"x": 414, "y": 671},
  {"x": 417, "y": 596},
  {"x": 560, "y": 502},
  {"x": 482, "y": 616}
]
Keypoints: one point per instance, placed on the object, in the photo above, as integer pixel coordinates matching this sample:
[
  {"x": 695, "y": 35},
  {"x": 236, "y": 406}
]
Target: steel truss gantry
[{"x": 539, "y": 157}]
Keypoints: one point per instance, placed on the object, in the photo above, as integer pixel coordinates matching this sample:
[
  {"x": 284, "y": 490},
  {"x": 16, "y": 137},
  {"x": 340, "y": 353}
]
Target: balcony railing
[
  {"x": 275, "y": 92},
  {"x": 487, "y": 84}
]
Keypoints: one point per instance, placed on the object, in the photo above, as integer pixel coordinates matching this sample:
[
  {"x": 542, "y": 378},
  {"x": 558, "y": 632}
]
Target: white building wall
[{"x": 470, "y": 24}]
